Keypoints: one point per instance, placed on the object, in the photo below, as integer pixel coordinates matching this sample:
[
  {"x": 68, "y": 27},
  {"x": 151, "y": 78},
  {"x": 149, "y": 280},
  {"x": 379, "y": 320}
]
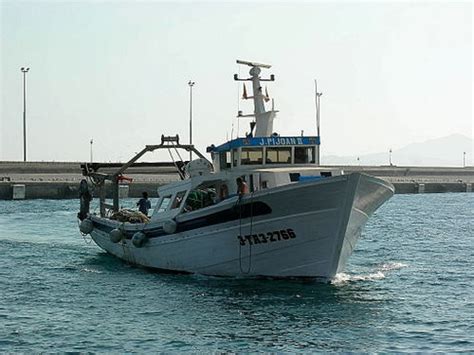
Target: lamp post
[
  {"x": 463, "y": 159},
  {"x": 191, "y": 84},
  {"x": 92, "y": 142},
  {"x": 390, "y": 157},
  {"x": 24, "y": 71}
]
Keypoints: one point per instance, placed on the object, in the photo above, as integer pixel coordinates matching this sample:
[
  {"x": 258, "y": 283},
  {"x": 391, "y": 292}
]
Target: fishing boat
[{"x": 261, "y": 206}]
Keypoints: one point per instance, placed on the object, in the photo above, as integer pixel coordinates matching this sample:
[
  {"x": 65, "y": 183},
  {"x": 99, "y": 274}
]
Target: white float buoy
[
  {"x": 86, "y": 226},
  {"x": 139, "y": 239},
  {"x": 115, "y": 235},
  {"x": 169, "y": 226}
]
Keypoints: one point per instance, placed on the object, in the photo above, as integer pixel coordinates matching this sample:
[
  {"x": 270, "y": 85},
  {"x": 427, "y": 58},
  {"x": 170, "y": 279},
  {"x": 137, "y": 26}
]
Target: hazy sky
[{"x": 392, "y": 73}]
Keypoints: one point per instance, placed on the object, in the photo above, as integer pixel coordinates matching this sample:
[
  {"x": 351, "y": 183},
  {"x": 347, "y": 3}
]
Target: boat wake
[{"x": 378, "y": 274}]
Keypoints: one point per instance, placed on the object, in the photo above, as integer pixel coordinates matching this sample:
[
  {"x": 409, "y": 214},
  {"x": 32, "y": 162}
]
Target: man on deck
[
  {"x": 242, "y": 187},
  {"x": 144, "y": 204}
]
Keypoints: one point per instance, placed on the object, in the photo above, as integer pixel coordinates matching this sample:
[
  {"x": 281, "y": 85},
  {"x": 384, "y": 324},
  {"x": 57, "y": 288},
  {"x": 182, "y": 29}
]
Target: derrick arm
[{"x": 99, "y": 179}]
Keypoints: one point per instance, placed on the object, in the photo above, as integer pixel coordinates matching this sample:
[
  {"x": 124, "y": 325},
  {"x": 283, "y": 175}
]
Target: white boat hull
[{"x": 311, "y": 231}]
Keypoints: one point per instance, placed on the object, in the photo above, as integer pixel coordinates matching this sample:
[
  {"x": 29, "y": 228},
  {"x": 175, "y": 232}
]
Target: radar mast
[{"x": 263, "y": 119}]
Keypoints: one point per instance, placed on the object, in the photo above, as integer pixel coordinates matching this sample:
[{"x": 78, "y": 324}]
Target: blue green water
[{"x": 409, "y": 286}]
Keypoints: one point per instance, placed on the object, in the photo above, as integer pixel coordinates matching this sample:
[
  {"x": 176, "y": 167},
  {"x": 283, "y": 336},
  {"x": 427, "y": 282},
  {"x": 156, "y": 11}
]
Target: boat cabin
[
  {"x": 263, "y": 163},
  {"x": 192, "y": 194},
  {"x": 258, "y": 152}
]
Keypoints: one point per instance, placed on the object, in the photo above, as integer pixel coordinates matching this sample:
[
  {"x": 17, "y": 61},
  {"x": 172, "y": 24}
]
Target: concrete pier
[
  {"x": 60, "y": 180},
  {"x": 18, "y": 191}
]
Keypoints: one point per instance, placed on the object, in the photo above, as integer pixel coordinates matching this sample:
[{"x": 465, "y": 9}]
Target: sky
[{"x": 391, "y": 73}]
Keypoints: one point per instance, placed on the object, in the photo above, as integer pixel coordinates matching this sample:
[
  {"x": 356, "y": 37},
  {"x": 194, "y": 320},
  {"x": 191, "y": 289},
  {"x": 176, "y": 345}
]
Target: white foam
[
  {"x": 343, "y": 278},
  {"x": 392, "y": 266},
  {"x": 378, "y": 274},
  {"x": 369, "y": 277},
  {"x": 91, "y": 270}
]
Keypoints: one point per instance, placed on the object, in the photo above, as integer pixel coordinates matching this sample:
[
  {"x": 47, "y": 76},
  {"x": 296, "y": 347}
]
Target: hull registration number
[{"x": 269, "y": 237}]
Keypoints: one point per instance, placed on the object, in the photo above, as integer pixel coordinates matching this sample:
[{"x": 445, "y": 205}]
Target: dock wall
[{"x": 60, "y": 180}]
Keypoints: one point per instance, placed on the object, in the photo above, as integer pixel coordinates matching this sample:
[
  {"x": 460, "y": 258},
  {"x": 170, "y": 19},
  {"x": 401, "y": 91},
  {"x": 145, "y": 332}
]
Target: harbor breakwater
[{"x": 60, "y": 180}]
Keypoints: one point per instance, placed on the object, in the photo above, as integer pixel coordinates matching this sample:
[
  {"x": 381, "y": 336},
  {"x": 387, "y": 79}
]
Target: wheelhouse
[{"x": 266, "y": 152}]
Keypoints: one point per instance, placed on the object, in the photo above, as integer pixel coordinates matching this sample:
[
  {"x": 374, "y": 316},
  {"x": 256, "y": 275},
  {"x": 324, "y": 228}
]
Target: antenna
[
  {"x": 253, "y": 64},
  {"x": 317, "y": 99}
]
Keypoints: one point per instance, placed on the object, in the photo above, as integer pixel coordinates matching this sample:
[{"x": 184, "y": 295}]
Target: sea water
[{"x": 409, "y": 286}]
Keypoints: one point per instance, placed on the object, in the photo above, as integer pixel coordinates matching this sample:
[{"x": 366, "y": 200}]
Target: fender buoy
[
  {"x": 115, "y": 235},
  {"x": 86, "y": 226},
  {"x": 139, "y": 239},
  {"x": 169, "y": 226}
]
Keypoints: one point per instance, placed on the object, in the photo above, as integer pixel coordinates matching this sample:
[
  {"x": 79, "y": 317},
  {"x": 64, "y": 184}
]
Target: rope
[
  {"x": 176, "y": 165},
  {"x": 177, "y": 152},
  {"x": 130, "y": 259},
  {"x": 84, "y": 235},
  {"x": 180, "y": 158},
  {"x": 250, "y": 233}
]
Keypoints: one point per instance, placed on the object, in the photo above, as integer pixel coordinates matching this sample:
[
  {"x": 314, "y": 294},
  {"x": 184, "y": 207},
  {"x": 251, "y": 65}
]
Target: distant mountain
[{"x": 445, "y": 151}]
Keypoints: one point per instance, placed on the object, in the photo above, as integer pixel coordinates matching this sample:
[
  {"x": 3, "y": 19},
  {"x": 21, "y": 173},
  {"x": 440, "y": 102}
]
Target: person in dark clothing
[{"x": 144, "y": 204}]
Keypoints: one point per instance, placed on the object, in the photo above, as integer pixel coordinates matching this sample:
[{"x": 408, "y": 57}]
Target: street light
[
  {"x": 191, "y": 84},
  {"x": 24, "y": 71},
  {"x": 463, "y": 159},
  {"x": 390, "y": 157},
  {"x": 92, "y": 142}
]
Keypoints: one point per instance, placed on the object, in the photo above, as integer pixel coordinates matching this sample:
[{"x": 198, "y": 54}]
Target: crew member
[
  {"x": 144, "y": 204},
  {"x": 242, "y": 187}
]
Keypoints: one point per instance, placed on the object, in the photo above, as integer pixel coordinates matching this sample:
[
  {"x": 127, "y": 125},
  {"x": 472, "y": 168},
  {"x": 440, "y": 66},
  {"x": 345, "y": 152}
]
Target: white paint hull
[{"x": 326, "y": 217}]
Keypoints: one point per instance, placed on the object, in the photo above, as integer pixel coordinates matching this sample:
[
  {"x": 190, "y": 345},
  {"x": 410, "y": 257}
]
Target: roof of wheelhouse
[{"x": 265, "y": 142}]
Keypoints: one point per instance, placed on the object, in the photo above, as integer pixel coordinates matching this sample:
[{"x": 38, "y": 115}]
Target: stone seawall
[
  {"x": 68, "y": 190},
  {"x": 60, "y": 180}
]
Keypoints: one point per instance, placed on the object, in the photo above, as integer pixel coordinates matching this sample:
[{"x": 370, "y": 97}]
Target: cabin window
[
  {"x": 251, "y": 156},
  {"x": 224, "y": 161},
  {"x": 178, "y": 200},
  {"x": 280, "y": 155},
  {"x": 235, "y": 157},
  {"x": 304, "y": 155},
  {"x": 165, "y": 202}
]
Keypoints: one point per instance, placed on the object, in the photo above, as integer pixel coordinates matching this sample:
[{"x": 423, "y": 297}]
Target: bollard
[
  {"x": 123, "y": 191},
  {"x": 421, "y": 188},
  {"x": 19, "y": 191}
]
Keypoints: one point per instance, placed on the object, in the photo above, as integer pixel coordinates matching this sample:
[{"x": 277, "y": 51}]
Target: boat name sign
[{"x": 286, "y": 141}]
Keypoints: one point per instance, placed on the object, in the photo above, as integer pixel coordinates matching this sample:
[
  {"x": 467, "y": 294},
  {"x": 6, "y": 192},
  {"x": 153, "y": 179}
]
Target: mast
[
  {"x": 317, "y": 98},
  {"x": 263, "y": 119}
]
